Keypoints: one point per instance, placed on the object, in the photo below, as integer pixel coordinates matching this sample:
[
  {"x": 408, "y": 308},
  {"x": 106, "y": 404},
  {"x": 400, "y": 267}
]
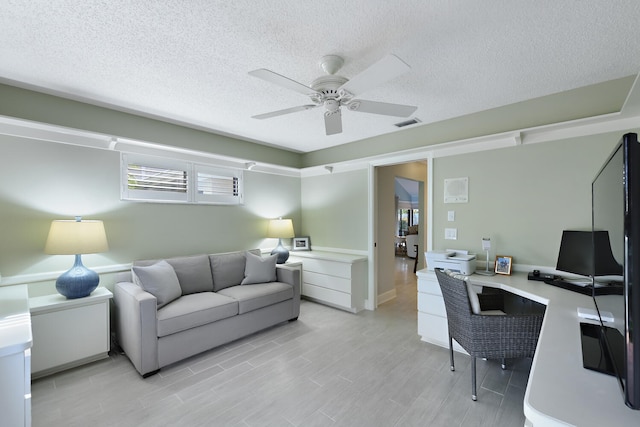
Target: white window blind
[
  {"x": 154, "y": 179},
  {"x": 150, "y": 178},
  {"x": 218, "y": 185}
]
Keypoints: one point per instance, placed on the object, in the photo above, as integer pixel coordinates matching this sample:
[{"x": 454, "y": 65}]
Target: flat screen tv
[{"x": 616, "y": 209}]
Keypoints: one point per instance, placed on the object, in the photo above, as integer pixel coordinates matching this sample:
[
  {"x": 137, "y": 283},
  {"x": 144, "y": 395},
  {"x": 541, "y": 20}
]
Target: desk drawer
[{"x": 431, "y": 304}]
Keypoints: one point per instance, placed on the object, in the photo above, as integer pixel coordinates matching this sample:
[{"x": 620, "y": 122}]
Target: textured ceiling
[{"x": 187, "y": 61}]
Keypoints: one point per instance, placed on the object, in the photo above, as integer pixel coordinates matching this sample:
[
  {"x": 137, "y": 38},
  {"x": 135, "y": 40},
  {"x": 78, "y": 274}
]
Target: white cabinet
[
  {"x": 15, "y": 351},
  {"x": 432, "y": 316},
  {"x": 335, "y": 279},
  {"x": 69, "y": 332}
]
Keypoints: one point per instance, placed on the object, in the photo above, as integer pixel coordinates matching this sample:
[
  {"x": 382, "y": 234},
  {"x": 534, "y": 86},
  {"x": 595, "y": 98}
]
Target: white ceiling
[{"x": 187, "y": 61}]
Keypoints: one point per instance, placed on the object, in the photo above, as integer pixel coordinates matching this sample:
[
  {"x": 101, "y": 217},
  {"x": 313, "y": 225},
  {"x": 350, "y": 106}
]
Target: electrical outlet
[{"x": 451, "y": 234}]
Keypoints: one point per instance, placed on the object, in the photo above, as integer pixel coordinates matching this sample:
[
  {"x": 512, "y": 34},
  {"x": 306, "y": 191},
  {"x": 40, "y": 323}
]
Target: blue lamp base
[
  {"x": 283, "y": 253},
  {"x": 78, "y": 281}
]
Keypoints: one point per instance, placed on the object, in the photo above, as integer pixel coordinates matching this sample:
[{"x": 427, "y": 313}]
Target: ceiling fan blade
[
  {"x": 383, "y": 108},
  {"x": 283, "y": 81},
  {"x": 333, "y": 122},
  {"x": 283, "y": 112},
  {"x": 384, "y": 70}
]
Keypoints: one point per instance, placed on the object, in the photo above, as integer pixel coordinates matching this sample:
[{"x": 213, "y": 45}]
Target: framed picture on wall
[
  {"x": 301, "y": 244},
  {"x": 503, "y": 264}
]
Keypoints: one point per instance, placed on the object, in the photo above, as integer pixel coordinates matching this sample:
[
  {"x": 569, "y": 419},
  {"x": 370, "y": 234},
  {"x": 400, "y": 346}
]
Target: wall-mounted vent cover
[{"x": 409, "y": 122}]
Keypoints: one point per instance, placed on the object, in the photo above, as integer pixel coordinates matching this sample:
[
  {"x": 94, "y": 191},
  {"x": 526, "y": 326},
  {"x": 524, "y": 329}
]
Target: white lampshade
[
  {"x": 280, "y": 228},
  {"x": 72, "y": 237}
]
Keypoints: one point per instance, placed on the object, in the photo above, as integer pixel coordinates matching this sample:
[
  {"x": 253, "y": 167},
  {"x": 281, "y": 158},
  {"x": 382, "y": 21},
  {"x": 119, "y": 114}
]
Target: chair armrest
[
  {"x": 506, "y": 336},
  {"x": 136, "y": 326}
]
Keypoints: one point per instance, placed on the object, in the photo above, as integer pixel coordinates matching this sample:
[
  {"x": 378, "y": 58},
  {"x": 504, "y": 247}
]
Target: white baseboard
[{"x": 387, "y": 296}]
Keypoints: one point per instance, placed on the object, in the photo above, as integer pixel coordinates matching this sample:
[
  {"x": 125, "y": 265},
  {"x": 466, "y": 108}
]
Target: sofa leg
[
  {"x": 148, "y": 374},
  {"x": 294, "y": 319}
]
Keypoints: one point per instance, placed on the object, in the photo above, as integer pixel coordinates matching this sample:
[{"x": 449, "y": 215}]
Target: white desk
[{"x": 560, "y": 391}]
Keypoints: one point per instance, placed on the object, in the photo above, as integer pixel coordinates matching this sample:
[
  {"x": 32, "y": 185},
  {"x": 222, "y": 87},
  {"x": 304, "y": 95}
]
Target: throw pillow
[
  {"x": 259, "y": 269},
  {"x": 160, "y": 280}
]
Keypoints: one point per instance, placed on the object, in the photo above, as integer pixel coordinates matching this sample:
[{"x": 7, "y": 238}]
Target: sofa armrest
[
  {"x": 136, "y": 326},
  {"x": 291, "y": 276}
]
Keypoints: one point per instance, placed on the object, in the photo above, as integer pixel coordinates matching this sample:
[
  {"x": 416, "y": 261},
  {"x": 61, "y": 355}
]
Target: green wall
[
  {"x": 521, "y": 197},
  {"x": 42, "y": 181},
  {"x": 40, "y": 107},
  {"x": 335, "y": 210}
]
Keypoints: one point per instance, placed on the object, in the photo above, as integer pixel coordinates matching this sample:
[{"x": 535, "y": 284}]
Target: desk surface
[{"x": 560, "y": 391}]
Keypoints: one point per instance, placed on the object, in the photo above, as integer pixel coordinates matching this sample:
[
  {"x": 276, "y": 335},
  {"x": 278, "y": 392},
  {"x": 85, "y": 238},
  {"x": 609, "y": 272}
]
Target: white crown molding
[{"x": 626, "y": 120}]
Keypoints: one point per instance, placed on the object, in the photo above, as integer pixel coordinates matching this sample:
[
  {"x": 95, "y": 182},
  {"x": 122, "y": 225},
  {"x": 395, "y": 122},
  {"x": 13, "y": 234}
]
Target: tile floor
[{"x": 329, "y": 368}]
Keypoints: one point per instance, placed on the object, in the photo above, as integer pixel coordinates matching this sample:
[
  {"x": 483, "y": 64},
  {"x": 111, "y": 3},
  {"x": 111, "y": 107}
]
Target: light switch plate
[
  {"x": 451, "y": 233},
  {"x": 451, "y": 216}
]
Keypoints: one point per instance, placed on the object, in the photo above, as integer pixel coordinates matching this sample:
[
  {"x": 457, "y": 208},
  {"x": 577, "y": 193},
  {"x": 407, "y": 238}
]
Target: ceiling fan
[{"x": 332, "y": 91}]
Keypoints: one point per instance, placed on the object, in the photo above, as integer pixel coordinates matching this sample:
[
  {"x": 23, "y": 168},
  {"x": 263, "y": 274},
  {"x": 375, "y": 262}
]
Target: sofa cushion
[
  {"x": 194, "y": 273},
  {"x": 194, "y": 310},
  {"x": 228, "y": 269},
  {"x": 259, "y": 269},
  {"x": 253, "y": 297},
  {"x": 160, "y": 280}
]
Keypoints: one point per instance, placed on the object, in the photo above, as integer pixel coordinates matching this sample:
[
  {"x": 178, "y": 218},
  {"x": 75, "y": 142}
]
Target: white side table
[
  {"x": 69, "y": 332},
  {"x": 15, "y": 355}
]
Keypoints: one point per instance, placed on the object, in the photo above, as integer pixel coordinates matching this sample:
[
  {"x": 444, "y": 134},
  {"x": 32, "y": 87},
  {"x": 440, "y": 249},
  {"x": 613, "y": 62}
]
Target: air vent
[{"x": 408, "y": 122}]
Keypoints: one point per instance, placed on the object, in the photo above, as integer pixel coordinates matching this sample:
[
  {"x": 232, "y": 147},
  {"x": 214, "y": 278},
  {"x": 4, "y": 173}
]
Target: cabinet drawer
[
  {"x": 332, "y": 268},
  {"x": 329, "y": 282},
  {"x": 431, "y": 304},
  {"x": 429, "y": 286},
  {"x": 329, "y": 296},
  {"x": 434, "y": 329}
]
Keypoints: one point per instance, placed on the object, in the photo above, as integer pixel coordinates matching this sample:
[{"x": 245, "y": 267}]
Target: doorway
[{"x": 388, "y": 226}]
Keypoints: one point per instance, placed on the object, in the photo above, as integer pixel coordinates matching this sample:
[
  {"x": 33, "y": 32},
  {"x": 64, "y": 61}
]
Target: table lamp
[
  {"x": 281, "y": 229},
  {"x": 69, "y": 237}
]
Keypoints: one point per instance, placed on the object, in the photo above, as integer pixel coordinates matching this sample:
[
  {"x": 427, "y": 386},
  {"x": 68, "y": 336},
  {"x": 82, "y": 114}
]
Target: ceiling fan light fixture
[{"x": 330, "y": 64}]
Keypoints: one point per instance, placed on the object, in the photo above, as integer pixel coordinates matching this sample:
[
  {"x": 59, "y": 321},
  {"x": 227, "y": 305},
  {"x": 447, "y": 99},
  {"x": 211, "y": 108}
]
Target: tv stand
[{"x": 612, "y": 289}]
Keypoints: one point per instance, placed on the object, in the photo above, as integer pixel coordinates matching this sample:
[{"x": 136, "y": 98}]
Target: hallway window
[{"x": 407, "y": 218}]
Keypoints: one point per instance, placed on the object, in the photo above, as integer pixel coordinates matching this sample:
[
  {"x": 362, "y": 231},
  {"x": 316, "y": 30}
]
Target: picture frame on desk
[
  {"x": 301, "y": 244},
  {"x": 503, "y": 264}
]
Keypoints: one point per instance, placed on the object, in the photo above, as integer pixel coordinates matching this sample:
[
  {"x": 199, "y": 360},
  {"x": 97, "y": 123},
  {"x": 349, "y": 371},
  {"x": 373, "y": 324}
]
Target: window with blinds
[
  {"x": 151, "y": 179},
  {"x": 217, "y": 185}
]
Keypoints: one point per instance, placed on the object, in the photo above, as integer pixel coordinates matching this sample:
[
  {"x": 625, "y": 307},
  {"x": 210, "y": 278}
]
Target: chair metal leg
[
  {"x": 504, "y": 364},
  {"x": 474, "y": 396},
  {"x": 453, "y": 368}
]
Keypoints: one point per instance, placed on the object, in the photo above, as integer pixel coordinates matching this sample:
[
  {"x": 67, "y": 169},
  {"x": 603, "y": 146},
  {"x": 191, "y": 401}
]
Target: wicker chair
[{"x": 488, "y": 336}]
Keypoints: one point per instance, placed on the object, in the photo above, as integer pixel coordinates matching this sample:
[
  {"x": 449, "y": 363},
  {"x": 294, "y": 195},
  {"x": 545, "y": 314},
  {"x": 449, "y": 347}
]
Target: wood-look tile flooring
[{"x": 329, "y": 368}]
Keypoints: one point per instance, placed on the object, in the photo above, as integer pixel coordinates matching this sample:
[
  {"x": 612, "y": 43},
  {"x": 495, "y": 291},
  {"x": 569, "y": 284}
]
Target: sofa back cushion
[
  {"x": 228, "y": 269},
  {"x": 194, "y": 273}
]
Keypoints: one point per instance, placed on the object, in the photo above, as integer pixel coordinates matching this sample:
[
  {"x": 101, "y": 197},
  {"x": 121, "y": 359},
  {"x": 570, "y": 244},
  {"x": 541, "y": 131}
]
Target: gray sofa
[{"x": 168, "y": 310}]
